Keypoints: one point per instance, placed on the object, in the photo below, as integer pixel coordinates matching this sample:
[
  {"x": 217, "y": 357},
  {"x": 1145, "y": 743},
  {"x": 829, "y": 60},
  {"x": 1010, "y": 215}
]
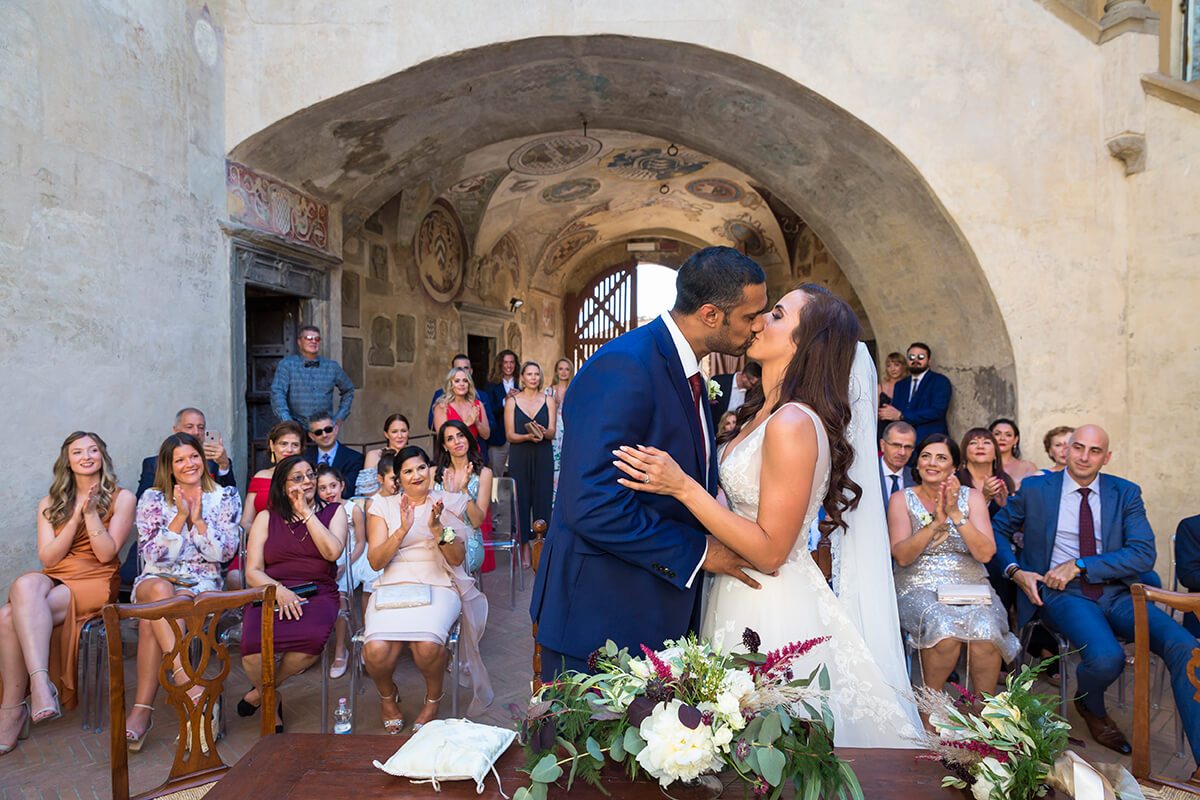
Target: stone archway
[{"x": 906, "y": 258}]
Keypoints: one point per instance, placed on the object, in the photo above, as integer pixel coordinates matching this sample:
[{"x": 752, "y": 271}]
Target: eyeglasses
[
  {"x": 918, "y": 357},
  {"x": 321, "y": 431},
  {"x": 308, "y": 476},
  {"x": 311, "y": 337}
]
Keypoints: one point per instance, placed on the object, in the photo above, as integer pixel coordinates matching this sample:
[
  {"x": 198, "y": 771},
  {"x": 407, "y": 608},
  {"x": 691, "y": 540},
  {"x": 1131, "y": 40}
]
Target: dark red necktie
[
  {"x": 697, "y": 389},
  {"x": 1087, "y": 541}
]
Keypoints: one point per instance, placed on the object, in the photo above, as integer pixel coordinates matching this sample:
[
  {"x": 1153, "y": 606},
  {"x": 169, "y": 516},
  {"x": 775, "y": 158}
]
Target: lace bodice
[{"x": 739, "y": 475}]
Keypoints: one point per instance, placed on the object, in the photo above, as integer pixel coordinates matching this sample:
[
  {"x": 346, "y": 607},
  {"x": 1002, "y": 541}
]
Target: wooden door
[
  {"x": 604, "y": 310},
  {"x": 272, "y": 323}
]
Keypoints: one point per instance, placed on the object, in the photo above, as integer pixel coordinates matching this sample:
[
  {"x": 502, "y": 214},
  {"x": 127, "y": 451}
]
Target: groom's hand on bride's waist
[{"x": 721, "y": 560}]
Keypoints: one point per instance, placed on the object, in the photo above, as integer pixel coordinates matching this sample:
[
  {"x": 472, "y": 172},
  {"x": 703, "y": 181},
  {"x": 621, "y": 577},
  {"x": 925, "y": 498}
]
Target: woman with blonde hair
[
  {"x": 529, "y": 425},
  {"x": 564, "y": 370},
  {"x": 82, "y": 523},
  {"x": 458, "y": 401}
]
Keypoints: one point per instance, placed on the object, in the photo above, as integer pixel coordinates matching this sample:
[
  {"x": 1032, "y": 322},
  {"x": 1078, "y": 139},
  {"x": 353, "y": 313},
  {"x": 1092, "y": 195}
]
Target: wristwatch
[{"x": 1082, "y": 567}]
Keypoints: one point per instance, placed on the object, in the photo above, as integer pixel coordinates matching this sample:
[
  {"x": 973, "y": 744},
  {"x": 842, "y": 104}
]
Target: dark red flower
[
  {"x": 660, "y": 667},
  {"x": 751, "y": 641}
]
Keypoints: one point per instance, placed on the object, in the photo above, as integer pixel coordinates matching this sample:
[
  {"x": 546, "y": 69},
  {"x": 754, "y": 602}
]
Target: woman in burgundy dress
[{"x": 294, "y": 542}]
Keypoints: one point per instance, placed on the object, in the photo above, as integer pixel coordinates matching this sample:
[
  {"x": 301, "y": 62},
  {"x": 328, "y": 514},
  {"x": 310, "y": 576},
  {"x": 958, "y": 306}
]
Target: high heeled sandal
[
  {"x": 216, "y": 718},
  {"x": 417, "y": 726},
  {"x": 132, "y": 740},
  {"x": 23, "y": 733},
  {"x": 49, "y": 712},
  {"x": 394, "y": 726}
]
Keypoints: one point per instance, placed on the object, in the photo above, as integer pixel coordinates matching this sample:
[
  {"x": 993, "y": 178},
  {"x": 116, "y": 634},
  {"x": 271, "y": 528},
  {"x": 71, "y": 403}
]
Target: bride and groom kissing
[{"x": 637, "y": 525}]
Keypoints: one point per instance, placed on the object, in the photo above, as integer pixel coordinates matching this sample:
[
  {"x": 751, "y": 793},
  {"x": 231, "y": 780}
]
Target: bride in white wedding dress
[{"x": 777, "y": 470}]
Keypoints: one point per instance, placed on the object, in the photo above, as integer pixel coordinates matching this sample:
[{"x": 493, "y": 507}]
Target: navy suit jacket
[
  {"x": 927, "y": 411},
  {"x": 1126, "y": 537},
  {"x": 1187, "y": 553},
  {"x": 616, "y": 562},
  {"x": 346, "y": 460},
  {"x": 493, "y": 397},
  {"x": 150, "y": 466},
  {"x": 906, "y": 482}
]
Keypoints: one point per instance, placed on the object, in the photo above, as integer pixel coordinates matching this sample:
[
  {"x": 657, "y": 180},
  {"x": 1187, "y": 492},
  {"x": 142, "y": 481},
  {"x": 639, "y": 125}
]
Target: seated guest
[
  {"x": 893, "y": 370},
  {"x": 1008, "y": 439},
  {"x": 395, "y": 430},
  {"x": 983, "y": 470},
  {"x": 324, "y": 429},
  {"x": 284, "y": 439},
  {"x": 726, "y": 424},
  {"x": 1087, "y": 540},
  {"x": 187, "y": 528},
  {"x": 501, "y": 384},
  {"x": 460, "y": 470},
  {"x": 406, "y": 538},
  {"x": 81, "y": 525},
  {"x": 941, "y": 535},
  {"x": 1187, "y": 564},
  {"x": 923, "y": 397},
  {"x": 458, "y": 401},
  {"x": 896, "y": 447},
  {"x": 1055, "y": 442},
  {"x": 191, "y": 420},
  {"x": 734, "y": 388},
  {"x": 329, "y": 489},
  {"x": 297, "y": 541}
]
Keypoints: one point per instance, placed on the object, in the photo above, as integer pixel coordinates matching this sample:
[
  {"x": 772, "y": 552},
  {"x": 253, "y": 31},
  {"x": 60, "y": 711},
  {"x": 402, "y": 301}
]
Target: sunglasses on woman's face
[{"x": 321, "y": 431}]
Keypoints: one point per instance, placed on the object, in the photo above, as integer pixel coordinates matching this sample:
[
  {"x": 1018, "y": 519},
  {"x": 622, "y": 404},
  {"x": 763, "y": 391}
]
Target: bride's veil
[{"x": 862, "y": 561}]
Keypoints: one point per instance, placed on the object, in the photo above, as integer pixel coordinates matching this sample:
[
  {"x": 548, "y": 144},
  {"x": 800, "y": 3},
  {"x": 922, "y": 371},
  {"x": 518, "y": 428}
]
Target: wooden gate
[{"x": 604, "y": 310}]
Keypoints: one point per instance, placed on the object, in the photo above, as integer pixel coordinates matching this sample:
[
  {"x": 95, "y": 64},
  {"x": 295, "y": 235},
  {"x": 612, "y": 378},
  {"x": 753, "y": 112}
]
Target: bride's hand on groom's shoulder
[
  {"x": 650, "y": 470},
  {"x": 721, "y": 560}
]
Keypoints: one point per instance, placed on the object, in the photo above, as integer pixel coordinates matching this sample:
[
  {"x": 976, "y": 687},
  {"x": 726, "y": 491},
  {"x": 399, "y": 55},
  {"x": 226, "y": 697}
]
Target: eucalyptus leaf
[
  {"x": 593, "y": 748},
  {"x": 538, "y": 791},
  {"x": 824, "y": 678},
  {"x": 617, "y": 749},
  {"x": 784, "y": 720},
  {"x": 771, "y": 731},
  {"x": 546, "y": 770},
  {"x": 610, "y": 648},
  {"x": 633, "y": 742},
  {"x": 771, "y": 762},
  {"x": 567, "y": 745},
  {"x": 522, "y": 793}
]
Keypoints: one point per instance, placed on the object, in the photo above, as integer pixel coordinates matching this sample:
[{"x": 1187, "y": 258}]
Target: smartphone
[{"x": 212, "y": 437}]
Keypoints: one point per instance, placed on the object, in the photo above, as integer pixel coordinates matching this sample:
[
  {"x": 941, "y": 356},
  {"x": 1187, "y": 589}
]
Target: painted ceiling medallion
[
  {"x": 440, "y": 253},
  {"x": 747, "y": 234},
  {"x": 567, "y": 248},
  {"x": 571, "y": 191},
  {"x": 653, "y": 163},
  {"x": 716, "y": 190},
  {"x": 551, "y": 155}
]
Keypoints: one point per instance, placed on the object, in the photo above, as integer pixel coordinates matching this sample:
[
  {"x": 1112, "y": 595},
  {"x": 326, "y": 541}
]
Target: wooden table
[{"x": 310, "y": 766}]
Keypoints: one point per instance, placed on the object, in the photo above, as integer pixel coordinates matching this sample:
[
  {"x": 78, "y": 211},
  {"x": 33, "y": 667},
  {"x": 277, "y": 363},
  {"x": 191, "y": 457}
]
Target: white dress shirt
[
  {"x": 887, "y": 476},
  {"x": 737, "y": 395},
  {"x": 1066, "y": 538},
  {"x": 691, "y": 366}
]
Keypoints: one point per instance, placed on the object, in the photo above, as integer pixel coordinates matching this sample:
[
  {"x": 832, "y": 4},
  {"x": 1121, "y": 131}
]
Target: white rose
[
  {"x": 991, "y": 773},
  {"x": 739, "y": 683},
  {"x": 674, "y": 751},
  {"x": 722, "y": 736}
]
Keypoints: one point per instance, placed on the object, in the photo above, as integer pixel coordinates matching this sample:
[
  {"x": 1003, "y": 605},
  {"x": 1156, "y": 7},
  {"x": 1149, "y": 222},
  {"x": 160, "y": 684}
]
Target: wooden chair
[
  {"x": 1177, "y": 601},
  {"x": 197, "y": 765},
  {"x": 539, "y": 539}
]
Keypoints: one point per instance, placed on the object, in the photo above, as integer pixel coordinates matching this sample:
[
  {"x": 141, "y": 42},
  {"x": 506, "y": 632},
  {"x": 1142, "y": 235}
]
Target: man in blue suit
[
  {"x": 896, "y": 448},
  {"x": 1187, "y": 564},
  {"x": 923, "y": 397},
  {"x": 323, "y": 429},
  {"x": 1087, "y": 540},
  {"x": 625, "y": 565}
]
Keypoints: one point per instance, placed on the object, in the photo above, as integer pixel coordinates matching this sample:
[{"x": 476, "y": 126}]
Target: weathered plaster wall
[{"x": 114, "y": 287}]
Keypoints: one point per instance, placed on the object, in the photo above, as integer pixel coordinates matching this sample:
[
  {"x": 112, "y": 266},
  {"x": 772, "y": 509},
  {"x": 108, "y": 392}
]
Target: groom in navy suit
[
  {"x": 625, "y": 565},
  {"x": 1087, "y": 540}
]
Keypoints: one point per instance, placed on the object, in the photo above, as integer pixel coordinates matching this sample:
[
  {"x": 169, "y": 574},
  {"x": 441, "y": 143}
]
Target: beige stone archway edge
[{"x": 910, "y": 264}]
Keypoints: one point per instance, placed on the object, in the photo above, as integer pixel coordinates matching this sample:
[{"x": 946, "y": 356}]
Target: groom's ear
[{"x": 710, "y": 315}]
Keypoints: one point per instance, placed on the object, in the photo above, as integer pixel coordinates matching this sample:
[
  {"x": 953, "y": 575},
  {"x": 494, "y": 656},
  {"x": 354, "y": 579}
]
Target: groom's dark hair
[{"x": 716, "y": 275}]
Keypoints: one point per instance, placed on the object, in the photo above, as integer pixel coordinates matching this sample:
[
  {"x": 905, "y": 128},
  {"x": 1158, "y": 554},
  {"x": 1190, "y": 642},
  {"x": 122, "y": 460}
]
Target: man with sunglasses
[
  {"x": 922, "y": 398},
  {"x": 323, "y": 430},
  {"x": 304, "y": 382}
]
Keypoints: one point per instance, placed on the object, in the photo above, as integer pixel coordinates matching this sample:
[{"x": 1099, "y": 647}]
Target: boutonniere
[{"x": 714, "y": 390}]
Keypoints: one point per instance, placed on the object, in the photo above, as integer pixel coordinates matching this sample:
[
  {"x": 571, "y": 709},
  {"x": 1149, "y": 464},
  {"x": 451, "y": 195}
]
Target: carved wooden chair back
[
  {"x": 193, "y": 619},
  {"x": 1178, "y": 601},
  {"x": 535, "y": 547}
]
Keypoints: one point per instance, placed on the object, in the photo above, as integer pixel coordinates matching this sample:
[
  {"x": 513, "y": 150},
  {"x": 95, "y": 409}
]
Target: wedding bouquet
[
  {"x": 685, "y": 712},
  {"x": 1002, "y": 747}
]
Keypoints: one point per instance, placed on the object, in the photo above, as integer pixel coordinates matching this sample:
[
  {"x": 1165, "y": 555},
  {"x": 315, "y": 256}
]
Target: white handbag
[
  {"x": 450, "y": 750},
  {"x": 402, "y": 595},
  {"x": 964, "y": 594}
]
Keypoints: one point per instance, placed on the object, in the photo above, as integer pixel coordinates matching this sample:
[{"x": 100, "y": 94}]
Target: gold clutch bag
[{"x": 402, "y": 595}]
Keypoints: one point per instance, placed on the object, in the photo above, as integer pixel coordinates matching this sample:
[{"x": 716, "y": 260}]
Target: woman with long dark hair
[
  {"x": 788, "y": 457},
  {"x": 82, "y": 523},
  {"x": 395, "y": 430},
  {"x": 460, "y": 469},
  {"x": 1008, "y": 439},
  {"x": 983, "y": 469}
]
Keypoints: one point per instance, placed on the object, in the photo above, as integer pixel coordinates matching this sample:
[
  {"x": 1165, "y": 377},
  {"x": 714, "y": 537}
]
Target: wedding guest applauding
[
  {"x": 330, "y": 484},
  {"x": 284, "y": 439},
  {"x": 564, "y": 370},
  {"x": 529, "y": 419},
  {"x": 395, "y": 430},
  {"x": 294, "y": 545},
  {"x": 81, "y": 525},
  {"x": 407, "y": 538},
  {"x": 982, "y": 469},
  {"x": 1055, "y": 442},
  {"x": 460, "y": 469},
  {"x": 459, "y": 402},
  {"x": 502, "y": 384},
  {"x": 1008, "y": 439},
  {"x": 187, "y": 528},
  {"x": 940, "y": 536}
]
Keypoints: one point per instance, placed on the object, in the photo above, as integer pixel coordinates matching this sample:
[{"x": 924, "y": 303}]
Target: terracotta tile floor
[{"x": 61, "y": 761}]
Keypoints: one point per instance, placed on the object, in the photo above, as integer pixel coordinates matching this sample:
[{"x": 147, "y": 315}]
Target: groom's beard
[{"x": 724, "y": 344}]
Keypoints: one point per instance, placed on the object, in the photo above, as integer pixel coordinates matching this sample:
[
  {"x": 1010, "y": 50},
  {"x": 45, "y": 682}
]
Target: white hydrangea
[{"x": 674, "y": 751}]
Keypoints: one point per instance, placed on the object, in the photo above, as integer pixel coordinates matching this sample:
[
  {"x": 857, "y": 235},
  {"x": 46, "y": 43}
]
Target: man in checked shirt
[{"x": 304, "y": 382}]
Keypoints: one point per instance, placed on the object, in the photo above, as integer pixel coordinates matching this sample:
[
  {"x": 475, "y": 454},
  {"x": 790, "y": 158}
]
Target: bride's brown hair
[{"x": 819, "y": 376}]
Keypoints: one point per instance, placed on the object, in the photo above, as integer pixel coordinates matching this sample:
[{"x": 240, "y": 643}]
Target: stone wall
[{"x": 114, "y": 276}]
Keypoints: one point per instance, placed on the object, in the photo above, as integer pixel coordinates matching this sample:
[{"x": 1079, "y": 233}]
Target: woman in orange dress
[
  {"x": 82, "y": 523},
  {"x": 283, "y": 440}
]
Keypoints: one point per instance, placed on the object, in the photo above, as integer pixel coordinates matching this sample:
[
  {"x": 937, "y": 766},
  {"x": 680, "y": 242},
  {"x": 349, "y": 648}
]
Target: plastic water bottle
[{"x": 341, "y": 717}]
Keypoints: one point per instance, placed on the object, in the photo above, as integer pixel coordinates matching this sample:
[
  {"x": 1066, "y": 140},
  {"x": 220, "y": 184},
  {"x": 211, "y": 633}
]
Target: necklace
[{"x": 292, "y": 529}]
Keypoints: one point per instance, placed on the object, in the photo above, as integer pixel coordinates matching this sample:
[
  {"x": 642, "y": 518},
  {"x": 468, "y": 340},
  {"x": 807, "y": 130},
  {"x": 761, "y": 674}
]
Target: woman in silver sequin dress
[{"x": 941, "y": 534}]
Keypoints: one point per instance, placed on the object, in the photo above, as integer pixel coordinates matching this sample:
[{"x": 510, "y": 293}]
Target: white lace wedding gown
[{"x": 798, "y": 604}]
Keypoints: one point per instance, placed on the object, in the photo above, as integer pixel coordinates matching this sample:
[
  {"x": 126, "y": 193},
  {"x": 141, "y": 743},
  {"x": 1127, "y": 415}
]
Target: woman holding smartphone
[
  {"x": 187, "y": 527},
  {"x": 294, "y": 545}
]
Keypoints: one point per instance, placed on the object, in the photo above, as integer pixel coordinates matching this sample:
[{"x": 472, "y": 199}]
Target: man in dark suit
[
  {"x": 896, "y": 447},
  {"x": 1087, "y": 540},
  {"x": 922, "y": 398},
  {"x": 734, "y": 388},
  {"x": 501, "y": 385},
  {"x": 1187, "y": 564},
  {"x": 323, "y": 429},
  {"x": 620, "y": 564},
  {"x": 191, "y": 420}
]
